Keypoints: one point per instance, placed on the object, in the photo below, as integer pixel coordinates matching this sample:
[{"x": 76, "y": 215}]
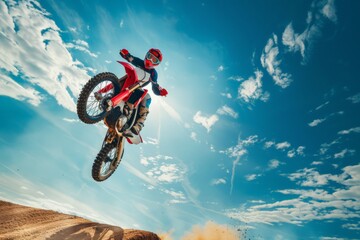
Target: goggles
[{"x": 152, "y": 58}]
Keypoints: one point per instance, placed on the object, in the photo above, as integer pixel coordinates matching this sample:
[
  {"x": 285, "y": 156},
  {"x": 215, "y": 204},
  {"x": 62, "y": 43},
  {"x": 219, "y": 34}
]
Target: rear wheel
[
  {"x": 92, "y": 109},
  {"x": 107, "y": 160}
]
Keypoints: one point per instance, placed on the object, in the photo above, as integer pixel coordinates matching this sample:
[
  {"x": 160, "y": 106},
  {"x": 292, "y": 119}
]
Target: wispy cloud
[
  {"x": 312, "y": 203},
  {"x": 121, "y": 23},
  {"x": 218, "y": 181},
  {"x": 226, "y": 110},
  {"x": 10, "y": 88},
  {"x": 206, "y": 122},
  {"x": 322, "y": 105},
  {"x": 237, "y": 152},
  {"x": 355, "y": 98},
  {"x": 303, "y": 42},
  {"x": 316, "y": 122},
  {"x": 163, "y": 169},
  {"x": 236, "y": 78},
  {"x": 344, "y": 152},
  {"x": 299, "y": 151},
  {"x": 227, "y": 95},
  {"x": 221, "y": 68},
  {"x": 273, "y": 163},
  {"x": 348, "y": 131},
  {"x": 324, "y": 147},
  {"x": 282, "y": 145},
  {"x": 193, "y": 136},
  {"x": 71, "y": 120},
  {"x": 269, "y": 144},
  {"x": 252, "y": 177},
  {"x": 251, "y": 89},
  {"x": 51, "y": 68},
  {"x": 81, "y": 46},
  {"x": 272, "y": 64}
]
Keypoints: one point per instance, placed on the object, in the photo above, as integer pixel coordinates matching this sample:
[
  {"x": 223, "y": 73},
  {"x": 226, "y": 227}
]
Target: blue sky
[{"x": 259, "y": 134}]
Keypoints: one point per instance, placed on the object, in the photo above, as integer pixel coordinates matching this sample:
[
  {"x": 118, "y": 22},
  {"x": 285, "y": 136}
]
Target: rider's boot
[{"x": 139, "y": 124}]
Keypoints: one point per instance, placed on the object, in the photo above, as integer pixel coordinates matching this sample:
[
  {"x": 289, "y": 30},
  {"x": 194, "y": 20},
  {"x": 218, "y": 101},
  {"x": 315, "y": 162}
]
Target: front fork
[{"x": 110, "y": 137}]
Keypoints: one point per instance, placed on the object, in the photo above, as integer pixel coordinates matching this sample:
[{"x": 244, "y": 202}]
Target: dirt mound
[{"x": 26, "y": 223}]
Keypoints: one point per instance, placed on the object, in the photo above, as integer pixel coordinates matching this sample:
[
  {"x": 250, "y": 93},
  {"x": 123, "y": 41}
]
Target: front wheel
[
  {"x": 107, "y": 160},
  {"x": 91, "y": 105}
]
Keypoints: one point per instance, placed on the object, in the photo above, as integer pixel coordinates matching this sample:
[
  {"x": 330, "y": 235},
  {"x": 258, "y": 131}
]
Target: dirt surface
[{"x": 26, "y": 223}]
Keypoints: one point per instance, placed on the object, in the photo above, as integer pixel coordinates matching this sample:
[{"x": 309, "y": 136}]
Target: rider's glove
[
  {"x": 125, "y": 54},
  {"x": 163, "y": 92}
]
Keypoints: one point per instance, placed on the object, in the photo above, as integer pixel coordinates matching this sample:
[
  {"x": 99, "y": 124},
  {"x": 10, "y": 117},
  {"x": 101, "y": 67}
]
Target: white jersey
[{"x": 142, "y": 75}]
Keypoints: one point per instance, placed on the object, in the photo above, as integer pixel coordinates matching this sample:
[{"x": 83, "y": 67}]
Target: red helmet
[{"x": 153, "y": 58}]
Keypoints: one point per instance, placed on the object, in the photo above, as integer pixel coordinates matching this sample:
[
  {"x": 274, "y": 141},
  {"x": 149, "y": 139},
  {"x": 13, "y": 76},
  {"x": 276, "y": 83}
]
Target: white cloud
[
  {"x": 218, "y": 181},
  {"x": 303, "y": 42},
  {"x": 71, "y": 120},
  {"x": 273, "y": 164},
  {"x": 313, "y": 204},
  {"x": 179, "y": 196},
  {"x": 225, "y": 110},
  {"x": 299, "y": 151},
  {"x": 251, "y": 89},
  {"x": 352, "y": 226},
  {"x": 314, "y": 163},
  {"x": 316, "y": 122},
  {"x": 51, "y": 66},
  {"x": 10, "y": 88},
  {"x": 272, "y": 64},
  {"x": 227, "y": 95},
  {"x": 237, "y": 152},
  {"x": 252, "y": 177},
  {"x": 152, "y": 141},
  {"x": 322, "y": 105},
  {"x": 206, "y": 122},
  {"x": 324, "y": 147},
  {"x": 269, "y": 144},
  {"x": 163, "y": 169},
  {"x": 355, "y": 98},
  {"x": 343, "y": 153},
  {"x": 236, "y": 78},
  {"x": 154, "y": 159},
  {"x": 291, "y": 153},
  {"x": 309, "y": 178},
  {"x": 193, "y": 136},
  {"x": 81, "y": 46},
  {"x": 122, "y": 23},
  {"x": 329, "y": 10},
  {"x": 282, "y": 145},
  {"x": 167, "y": 173},
  {"x": 351, "y": 130},
  {"x": 221, "y": 68}
]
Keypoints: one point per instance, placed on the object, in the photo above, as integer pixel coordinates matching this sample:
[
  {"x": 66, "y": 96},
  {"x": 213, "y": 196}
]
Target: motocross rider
[{"x": 152, "y": 59}]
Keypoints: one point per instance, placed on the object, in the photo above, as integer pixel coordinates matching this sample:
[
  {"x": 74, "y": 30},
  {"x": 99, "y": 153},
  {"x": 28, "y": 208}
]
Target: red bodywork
[{"x": 125, "y": 92}]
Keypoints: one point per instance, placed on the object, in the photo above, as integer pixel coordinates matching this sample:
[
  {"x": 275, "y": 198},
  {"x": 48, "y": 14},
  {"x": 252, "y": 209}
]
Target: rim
[
  {"x": 93, "y": 106},
  {"x": 106, "y": 166}
]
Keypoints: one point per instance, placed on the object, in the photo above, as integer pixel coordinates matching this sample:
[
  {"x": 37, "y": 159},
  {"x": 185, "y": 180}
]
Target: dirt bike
[{"x": 116, "y": 101}]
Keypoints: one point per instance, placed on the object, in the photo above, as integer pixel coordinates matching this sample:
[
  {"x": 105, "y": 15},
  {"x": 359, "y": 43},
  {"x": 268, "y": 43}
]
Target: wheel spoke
[
  {"x": 93, "y": 108},
  {"x": 106, "y": 166}
]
